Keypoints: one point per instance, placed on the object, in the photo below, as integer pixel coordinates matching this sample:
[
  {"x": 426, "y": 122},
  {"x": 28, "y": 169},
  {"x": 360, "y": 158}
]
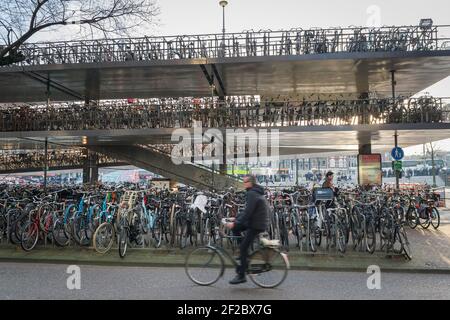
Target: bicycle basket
[{"x": 323, "y": 194}]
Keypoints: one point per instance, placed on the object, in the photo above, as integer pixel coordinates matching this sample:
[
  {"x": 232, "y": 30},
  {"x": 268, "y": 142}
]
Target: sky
[{"x": 205, "y": 16}]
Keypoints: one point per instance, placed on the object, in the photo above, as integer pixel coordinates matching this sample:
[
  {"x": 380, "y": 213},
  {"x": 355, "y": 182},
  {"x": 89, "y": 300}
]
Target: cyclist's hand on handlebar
[
  {"x": 228, "y": 222},
  {"x": 229, "y": 225}
]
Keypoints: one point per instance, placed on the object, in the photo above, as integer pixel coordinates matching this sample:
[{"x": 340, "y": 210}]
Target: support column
[
  {"x": 86, "y": 177},
  {"x": 45, "y": 164},
  {"x": 397, "y": 183},
  {"x": 365, "y": 148},
  {"x": 94, "y": 168},
  {"x": 223, "y": 165},
  {"x": 90, "y": 167}
]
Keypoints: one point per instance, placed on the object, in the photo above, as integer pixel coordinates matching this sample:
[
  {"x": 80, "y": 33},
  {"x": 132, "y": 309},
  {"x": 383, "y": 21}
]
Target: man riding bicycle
[{"x": 254, "y": 220}]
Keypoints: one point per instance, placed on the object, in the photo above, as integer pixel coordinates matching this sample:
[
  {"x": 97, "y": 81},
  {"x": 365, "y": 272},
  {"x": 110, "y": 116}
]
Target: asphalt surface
[{"x": 49, "y": 281}]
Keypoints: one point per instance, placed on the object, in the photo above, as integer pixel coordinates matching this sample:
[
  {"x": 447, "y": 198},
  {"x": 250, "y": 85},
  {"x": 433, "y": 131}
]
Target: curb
[{"x": 125, "y": 263}]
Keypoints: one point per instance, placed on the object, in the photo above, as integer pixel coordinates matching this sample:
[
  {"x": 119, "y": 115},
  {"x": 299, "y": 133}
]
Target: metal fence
[{"x": 245, "y": 44}]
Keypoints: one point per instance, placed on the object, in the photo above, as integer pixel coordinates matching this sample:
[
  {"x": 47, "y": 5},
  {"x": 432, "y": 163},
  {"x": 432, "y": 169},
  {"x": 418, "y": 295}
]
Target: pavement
[
  {"x": 430, "y": 249},
  {"x": 49, "y": 281},
  {"x": 445, "y": 215}
]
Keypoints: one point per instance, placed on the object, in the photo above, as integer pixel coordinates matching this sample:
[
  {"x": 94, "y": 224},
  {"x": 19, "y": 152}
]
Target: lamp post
[{"x": 223, "y": 4}]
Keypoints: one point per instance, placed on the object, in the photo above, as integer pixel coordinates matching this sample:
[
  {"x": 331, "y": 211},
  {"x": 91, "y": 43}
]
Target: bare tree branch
[{"x": 25, "y": 18}]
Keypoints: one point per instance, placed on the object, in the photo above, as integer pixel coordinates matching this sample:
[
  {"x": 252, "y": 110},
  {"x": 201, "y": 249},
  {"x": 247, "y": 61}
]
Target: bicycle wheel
[
  {"x": 182, "y": 225},
  {"x": 268, "y": 267},
  {"x": 328, "y": 234},
  {"x": 311, "y": 238},
  {"x": 192, "y": 230},
  {"x": 17, "y": 220},
  {"x": 354, "y": 232},
  {"x": 425, "y": 221},
  {"x": 204, "y": 266},
  {"x": 157, "y": 233},
  {"x": 19, "y": 226},
  {"x": 30, "y": 235},
  {"x": 297, "y": 231},
  {"x": 166, "y": 230},
  {"x": 103, "y": 237},
  {"x": 173, "y": 228},
  {"x": 59, "y": 233},
  {"x": 435, "y": 218},
  {"x": 94, "y": 218},
  {"x": 340, "y": 238},
  {"x": 317, "y": 236},
  {"x": 371, "y": 239},
  {"x": 207, "y": 234},
  {"x": 79, "y": 231},
  {"x": 411, "y": 218},
  {"x": 405, "y": 243},
  {"x": 123, "y": 241},
  {"x": 284, "y": 234},
  {"x": 276, "y": 227}
]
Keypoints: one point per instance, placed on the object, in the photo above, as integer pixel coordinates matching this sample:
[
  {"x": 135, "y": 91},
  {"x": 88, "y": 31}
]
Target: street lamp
[{"x": 223, "y": 4}]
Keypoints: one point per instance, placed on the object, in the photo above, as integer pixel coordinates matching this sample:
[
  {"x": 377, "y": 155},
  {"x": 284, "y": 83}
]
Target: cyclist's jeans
[{"x": 248, "y": 239}]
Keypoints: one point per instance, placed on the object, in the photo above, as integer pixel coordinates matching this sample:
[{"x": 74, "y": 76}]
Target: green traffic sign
[{"x": 398, "y": 165}]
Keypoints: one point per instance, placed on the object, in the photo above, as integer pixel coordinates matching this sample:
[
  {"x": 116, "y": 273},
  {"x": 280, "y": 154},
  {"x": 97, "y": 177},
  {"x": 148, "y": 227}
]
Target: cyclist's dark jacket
[{"x": 256, "y": 214}]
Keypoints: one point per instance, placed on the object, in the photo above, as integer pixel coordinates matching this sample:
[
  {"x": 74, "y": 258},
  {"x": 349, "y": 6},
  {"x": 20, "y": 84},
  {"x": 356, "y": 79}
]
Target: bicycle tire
[
  {"x": 123, "y": 241},
  {"x": 298, "y": 234},
  {"x": 101, "y": 244},
  {"x": 193, "y": 235},
  {"x": 372, "y": 241},
  {"x": 22, "y": 219},
  {"x": 425, "y": 223},
  {"x": 312, "y": 238},
  {"x": 183, "y": 234},
  {"x": 14, "y": 216},
  {"x": 30, "y": 236},
  {"x": 79, "y": 231},
  {"x": 264, "y": 258},
  {"x": 405, "y": 243},
  {"x": 173, "y": 227},
  {"x": 318, "y": 236},
  {"x": 412, "y": 218},
  {"x": 206, "y": 258},
  {"x": 284, "y": 234},
  {"x": 59, "y": 231},
  {"x": 435, "y": 216},
  {"x": 158, "y": 234},
  {"x": 340, "y": 238}
]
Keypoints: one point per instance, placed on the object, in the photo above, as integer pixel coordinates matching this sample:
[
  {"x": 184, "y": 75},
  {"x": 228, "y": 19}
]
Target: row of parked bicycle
[
  {"x": 308, "y": 220},
  {"x": 117, "y": 115},
  {"x": 246, "y": 44}
]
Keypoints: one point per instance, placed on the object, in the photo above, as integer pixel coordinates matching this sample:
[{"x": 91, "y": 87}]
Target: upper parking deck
[{"x": 336, "y": 60}]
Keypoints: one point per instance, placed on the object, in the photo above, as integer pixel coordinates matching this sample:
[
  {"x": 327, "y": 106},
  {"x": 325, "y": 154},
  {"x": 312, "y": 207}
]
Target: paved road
[{"x": 47, "y": 281}]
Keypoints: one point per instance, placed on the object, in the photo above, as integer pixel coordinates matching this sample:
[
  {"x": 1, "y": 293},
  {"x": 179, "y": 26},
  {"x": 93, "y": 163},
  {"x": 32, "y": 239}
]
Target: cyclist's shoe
[{"x": 238, "y": 279}]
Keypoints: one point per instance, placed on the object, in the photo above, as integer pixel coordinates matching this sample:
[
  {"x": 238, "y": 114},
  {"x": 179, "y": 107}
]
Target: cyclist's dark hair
[{"x": 251, "y": 178}]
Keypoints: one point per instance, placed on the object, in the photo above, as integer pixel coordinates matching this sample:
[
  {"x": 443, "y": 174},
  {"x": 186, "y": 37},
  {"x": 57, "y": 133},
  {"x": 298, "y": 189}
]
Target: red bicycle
[{"x": 40, "y": 220}]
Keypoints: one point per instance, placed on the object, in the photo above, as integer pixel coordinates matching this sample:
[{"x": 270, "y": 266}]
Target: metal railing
[
  {"x": 213, "y": 114},
  {"x": 245, "y": 44}
]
